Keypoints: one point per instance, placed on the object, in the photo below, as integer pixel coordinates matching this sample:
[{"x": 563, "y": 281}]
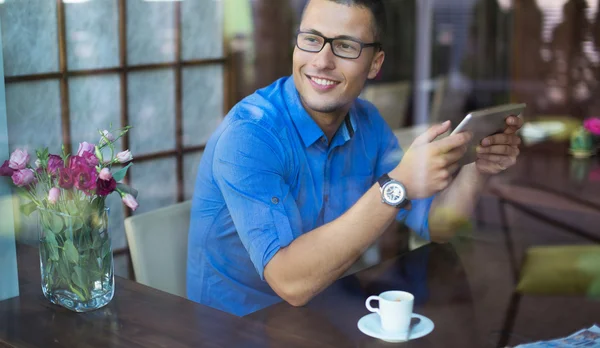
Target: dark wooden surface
[
  {"x": 549, "y": 167},
  {"x": 138, "y": 316},
  {"x": 432, "y": 273}
]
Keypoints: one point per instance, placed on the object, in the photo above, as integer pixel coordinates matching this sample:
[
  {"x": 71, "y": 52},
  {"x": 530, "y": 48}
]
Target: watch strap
[{"x": 383, "y": 180}]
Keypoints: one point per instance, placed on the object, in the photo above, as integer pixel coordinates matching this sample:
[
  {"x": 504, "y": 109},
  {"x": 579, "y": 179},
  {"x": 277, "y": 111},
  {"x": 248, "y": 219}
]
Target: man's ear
[{"x": 376, "y": 64}]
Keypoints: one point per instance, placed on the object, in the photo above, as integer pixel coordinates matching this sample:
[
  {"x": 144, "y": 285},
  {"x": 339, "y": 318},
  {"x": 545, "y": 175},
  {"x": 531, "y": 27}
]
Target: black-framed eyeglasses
[{"x": 341, "y": 46}]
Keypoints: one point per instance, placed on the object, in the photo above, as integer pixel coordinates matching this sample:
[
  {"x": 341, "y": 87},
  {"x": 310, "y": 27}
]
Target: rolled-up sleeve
[
  {"x": 390, "y": 154},
  {"x": 249, "y": 169}
]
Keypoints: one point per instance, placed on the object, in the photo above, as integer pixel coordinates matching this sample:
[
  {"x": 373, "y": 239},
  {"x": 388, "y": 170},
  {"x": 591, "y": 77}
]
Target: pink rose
[
  {"x": 54, "y": 164},
  {"x": 105, "y": 174},
  {"x": 85, "y": 147},
  {"x": 124, "y": 156},
  {"x": 592, "y": 125},
  {"x": 65, "y": 178},
  {"x": 130, "y": 201},
  {"x": 23, "y": 177},
  {"x": 19, "y": 159},
  {"x": 105, "y": 187},
  {"x": 6, "y": 170},
  {"x": 53, "y": 195}
]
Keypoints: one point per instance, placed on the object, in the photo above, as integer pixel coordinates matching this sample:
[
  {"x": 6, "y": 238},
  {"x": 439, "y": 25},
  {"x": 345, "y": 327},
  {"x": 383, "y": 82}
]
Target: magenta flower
[
  {"x": 19, "y": 159},
  {"x": 592, "y": 125},
  {"x": 77, "y": 161},
  {"x": 23, "y": 177},
  {"x": 130, "y": 201},
  {"x": 65, "y": 178},
  {"x": 90, "y": 159},
  {"x": 53, "y": 195},
  {"x": 105, "y": 187},
  {"x": 6, "y": 170},
  {"x": 54, "y": 164},
  {"x": 84, "y": 179}
]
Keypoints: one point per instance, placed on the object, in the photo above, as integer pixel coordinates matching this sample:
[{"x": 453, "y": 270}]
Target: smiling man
[{"x": 302, "y": 176}]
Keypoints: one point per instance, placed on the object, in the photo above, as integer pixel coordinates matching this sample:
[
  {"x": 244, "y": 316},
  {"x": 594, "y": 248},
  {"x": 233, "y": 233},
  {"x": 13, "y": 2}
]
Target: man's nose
[{"x": 325, "y": 59}]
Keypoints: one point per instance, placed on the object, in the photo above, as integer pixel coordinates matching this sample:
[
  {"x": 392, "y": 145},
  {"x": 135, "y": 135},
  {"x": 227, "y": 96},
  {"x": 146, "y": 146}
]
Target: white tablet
[{"x": 483, "y": 123}]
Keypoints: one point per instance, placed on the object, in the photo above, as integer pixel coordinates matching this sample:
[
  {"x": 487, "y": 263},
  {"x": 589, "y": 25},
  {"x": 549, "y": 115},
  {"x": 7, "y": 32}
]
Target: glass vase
[{"x": 76, "y": 259}]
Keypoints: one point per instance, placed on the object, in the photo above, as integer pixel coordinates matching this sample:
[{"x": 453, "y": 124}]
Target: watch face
[{"x": 393, "y": 193}]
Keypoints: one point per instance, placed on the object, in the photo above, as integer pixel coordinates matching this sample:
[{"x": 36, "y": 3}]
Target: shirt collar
[{"x": 308, "y": 129}]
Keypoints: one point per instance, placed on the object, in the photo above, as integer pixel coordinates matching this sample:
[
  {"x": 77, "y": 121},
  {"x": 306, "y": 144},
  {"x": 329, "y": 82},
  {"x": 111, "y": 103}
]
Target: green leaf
[
  {"x": 51, "y": 245},
  {"x": 28, "y": 208},
  {"x": 71, "y": 252},
  {"x": 63, "y": 271},
  {"x": 77, "y": 224},
  {"x": 79, "y": 277},
  {"x": 97, "y": 241},
  {"x": 56, "y": 224},
  {"x": 72, "y": 208},
  {"x": 127, "y": 189},
  {"x": 120, "y": 174}
]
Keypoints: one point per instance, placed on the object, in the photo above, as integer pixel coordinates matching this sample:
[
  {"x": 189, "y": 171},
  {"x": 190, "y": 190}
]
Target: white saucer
[{"x": 370, "y": 325}]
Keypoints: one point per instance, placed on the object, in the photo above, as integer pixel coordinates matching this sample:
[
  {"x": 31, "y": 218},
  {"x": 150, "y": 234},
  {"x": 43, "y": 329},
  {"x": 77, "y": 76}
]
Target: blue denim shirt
[{"x": 268, "y": 175}]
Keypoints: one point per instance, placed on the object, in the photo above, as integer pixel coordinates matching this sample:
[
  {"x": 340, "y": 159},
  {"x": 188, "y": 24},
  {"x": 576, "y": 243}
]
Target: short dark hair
[{"x": 377, "y": 8}]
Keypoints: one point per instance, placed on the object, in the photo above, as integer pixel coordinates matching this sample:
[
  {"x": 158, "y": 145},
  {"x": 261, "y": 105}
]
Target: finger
[
  {"x": 453, "y": 156},
  {"x": 501, "y": 139},
  {"x": 506, "y": 150},
  {"x": 432, "y": 133},
  {"x": 503, "y": 161},
  {"x": 513, "y": 123},
  {"x": 452, "y": 142}
]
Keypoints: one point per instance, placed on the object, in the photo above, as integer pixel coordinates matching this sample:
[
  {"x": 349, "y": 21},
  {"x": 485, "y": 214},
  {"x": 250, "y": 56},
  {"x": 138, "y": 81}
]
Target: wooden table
[
  {"x": 463, "y": 287},
  {"x": 138, "y": 316},
  {"x": 433, "y": 273}
]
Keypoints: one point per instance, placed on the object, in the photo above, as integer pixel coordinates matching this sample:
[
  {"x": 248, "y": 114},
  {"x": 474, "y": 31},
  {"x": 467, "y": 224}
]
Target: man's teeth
[{"x": 323, "y": 82}]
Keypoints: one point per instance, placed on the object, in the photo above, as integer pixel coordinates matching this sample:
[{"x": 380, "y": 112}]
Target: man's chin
[{"x": 323, "y": 108}]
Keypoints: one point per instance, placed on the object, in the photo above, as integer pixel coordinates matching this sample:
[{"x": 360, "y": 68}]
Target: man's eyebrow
[{"x": 344, "y": 37}]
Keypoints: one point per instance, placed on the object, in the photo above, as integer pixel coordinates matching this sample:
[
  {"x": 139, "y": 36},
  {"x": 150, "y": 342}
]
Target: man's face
[{"x": 327, "y": 83}]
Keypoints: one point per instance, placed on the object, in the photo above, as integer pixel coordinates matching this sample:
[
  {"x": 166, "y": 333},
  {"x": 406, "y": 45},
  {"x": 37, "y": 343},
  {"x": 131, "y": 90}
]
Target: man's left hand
[{"x": 499, "y": 152}]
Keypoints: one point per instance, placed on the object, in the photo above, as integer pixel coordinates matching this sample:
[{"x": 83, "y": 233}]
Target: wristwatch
[{"x": 392, "y": 192}]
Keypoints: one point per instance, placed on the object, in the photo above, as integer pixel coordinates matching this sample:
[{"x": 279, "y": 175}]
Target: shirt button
[
  {"x": 326, "y": 198},
  {"x": 274, "y": 200}
]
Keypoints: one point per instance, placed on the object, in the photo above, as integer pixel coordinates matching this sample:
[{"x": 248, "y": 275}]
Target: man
[{"x": 301, "y": 177}]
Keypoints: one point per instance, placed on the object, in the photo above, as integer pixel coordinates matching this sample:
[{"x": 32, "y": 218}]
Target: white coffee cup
[{"x": 395, "y": 310}]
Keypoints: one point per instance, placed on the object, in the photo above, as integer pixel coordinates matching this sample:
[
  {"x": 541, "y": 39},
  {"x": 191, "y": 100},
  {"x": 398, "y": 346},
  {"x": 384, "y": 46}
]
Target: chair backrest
[
  {"x": 158, "y": 245},
  {"x": 391, "y": 99}
]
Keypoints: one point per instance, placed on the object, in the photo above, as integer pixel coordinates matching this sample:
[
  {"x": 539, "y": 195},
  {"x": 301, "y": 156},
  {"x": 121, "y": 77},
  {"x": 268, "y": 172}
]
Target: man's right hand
[{"x": 427, "y": 166}]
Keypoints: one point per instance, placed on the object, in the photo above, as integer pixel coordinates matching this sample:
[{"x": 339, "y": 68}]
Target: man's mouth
[{"x": 322, "y": 81}]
